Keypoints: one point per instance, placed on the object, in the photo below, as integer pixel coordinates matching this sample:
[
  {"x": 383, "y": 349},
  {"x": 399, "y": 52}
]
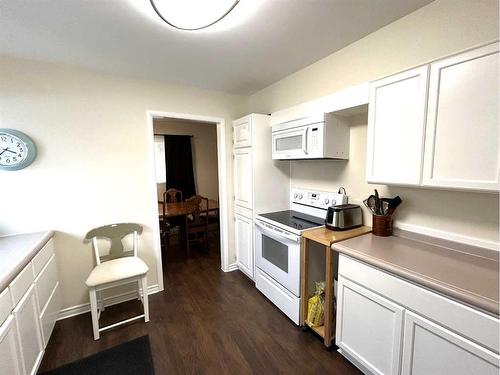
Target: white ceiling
[{"x": 257, "y": 44}]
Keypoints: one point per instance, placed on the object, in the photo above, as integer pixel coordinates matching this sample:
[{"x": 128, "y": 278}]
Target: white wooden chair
[{"x": 116, "y": 268}]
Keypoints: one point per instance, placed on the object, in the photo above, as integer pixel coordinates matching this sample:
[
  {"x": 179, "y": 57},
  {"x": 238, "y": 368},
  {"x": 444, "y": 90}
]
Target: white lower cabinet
[
  {"x": 386, "y": 325},
  {"x": 243, "y": 238},
  {"x": 27, "y": 320},
  {"x": 369, "y": 328},
  {"x": 431, "y": 349},
  {"x": 10, "y": 361},
  {"x": 29, "y": 308}
]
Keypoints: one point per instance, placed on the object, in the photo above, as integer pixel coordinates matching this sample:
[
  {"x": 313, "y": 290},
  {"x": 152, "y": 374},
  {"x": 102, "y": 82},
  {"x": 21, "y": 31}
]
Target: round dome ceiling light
[{"x": 193, "y": 14}]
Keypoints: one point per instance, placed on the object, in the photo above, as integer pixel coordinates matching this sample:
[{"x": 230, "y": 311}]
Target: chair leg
[
  {"x": 93, "y": 311},
  {"x": 145, "y": 299}
]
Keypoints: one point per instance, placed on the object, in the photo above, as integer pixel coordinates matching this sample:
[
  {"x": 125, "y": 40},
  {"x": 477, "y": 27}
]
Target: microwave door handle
[
  {"x": 304, "y": 141},
  {"x": 275, "y": 233}
]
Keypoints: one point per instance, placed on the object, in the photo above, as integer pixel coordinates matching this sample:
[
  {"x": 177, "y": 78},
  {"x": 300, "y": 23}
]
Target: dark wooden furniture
[
  {"x": 325, "y": 237},
  {"x": 172, "y": 195},
  {"x": 197, "y": 223},
  {"x": 168, "y": 224},
  {"x": 168, "y": 211}
]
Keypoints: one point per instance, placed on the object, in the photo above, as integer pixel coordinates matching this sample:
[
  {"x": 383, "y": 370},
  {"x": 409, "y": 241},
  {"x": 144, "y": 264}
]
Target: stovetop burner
[{"x": 294, "y": 219}]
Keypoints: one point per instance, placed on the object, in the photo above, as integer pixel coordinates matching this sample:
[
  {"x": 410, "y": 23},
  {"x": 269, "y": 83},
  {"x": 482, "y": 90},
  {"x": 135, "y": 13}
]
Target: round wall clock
[{"x": 17, "y": 150}]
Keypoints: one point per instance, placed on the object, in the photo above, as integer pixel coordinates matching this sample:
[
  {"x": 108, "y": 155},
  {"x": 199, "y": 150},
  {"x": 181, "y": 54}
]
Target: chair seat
[{"x": 115, "y": 270}]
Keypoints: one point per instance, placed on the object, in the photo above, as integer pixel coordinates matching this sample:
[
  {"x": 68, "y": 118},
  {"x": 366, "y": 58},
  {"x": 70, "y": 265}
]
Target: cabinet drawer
[
  {"x": 45, "y": 282},
  {"x": 5, "y": 305},
  {"x": 21, "y": 283},
  {"x": 468, "y": 322},
  {"x": 49, "y": 315},
  {"x": 43, "y": 257}
]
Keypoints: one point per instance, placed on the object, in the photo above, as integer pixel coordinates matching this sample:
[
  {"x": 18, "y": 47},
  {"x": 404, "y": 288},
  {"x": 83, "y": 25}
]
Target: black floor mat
[{"x": 133, "y": 357}]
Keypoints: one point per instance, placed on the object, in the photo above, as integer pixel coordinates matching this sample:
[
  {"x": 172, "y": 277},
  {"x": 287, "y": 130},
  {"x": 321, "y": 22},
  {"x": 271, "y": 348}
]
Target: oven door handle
[{"x": 277, "y": 232}]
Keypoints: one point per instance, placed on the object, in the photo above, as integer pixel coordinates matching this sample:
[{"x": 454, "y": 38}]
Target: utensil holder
[{"x": 382, "y": 225}]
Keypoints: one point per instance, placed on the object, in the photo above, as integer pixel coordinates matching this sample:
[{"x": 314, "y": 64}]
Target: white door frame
[{"x": 221, "y": 166}]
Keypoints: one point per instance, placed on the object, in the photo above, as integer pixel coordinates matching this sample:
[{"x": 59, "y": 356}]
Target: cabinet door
[
  {"x": 243, "y": 177},
  {"x": 431, "y": 349},
  {"x": 244, "y": 244},
  {"x": 10, "y": 362},
  {"x": 396, "y": 121},
  {"x": 27, "y": 320},
  {"x": 462, "y": 135},
  {"x": 369, "y": 328},
  {"x": 242, "y": 132}
]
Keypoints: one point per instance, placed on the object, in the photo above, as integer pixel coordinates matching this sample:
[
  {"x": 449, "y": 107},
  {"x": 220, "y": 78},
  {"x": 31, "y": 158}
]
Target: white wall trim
[
  {"x": 468, "y": 240},
  {"x": 231, "y": 267},
  {"x": 221, "y": 167},
  {"x": 68, "y": 312}
]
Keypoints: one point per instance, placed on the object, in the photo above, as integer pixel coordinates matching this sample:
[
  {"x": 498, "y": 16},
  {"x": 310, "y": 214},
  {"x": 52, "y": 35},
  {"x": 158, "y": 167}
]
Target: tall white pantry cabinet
[
  {"x": 437, "y": 125},
  {"x": 260, "y": 184}
]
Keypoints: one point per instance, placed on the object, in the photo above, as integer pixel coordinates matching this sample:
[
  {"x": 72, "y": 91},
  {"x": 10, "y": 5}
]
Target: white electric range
[{"x": 277, "y": 246}]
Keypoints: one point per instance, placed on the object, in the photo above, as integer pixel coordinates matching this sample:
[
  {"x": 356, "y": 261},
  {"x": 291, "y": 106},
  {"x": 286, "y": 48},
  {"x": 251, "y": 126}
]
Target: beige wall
[
  {"x": 441, "y": 28},
  {"x": 204, "y": 145},
  {"x": 93, "y": 165}
]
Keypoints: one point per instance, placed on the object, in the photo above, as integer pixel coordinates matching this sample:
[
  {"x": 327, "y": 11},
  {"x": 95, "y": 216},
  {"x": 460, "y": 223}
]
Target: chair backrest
[
  {"x": 200, "y": 204},
  {"x": 115, "y": 233},
  {"x": 172, "y": 195}
]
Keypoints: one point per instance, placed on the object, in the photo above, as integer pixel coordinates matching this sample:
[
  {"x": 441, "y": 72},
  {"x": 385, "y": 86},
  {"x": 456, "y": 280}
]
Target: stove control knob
[
  {"x": 327, "y": 201},
  {"x": 300, "y": 196},
  {"x": 295, "y": 196},
  {"x": 333, "y": 202}
]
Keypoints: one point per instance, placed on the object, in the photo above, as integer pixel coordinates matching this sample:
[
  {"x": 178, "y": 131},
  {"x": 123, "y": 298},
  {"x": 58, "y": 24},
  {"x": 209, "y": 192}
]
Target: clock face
[
  {"x": 17, "y": 150},
  {"x": 13, "y": 150}
]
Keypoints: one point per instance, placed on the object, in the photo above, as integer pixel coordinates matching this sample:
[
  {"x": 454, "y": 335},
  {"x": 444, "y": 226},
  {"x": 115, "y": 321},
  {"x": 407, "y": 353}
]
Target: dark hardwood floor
[{"x": 204, "y": 322}]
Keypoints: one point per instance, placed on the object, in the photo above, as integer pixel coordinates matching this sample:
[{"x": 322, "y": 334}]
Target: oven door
[
  {"x": 278, "y": 254},
  {"x": 290, "y": 143}
]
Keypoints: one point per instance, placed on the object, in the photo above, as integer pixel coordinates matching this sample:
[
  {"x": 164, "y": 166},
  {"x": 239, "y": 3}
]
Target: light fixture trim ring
[{"x": 195, "y": 28}]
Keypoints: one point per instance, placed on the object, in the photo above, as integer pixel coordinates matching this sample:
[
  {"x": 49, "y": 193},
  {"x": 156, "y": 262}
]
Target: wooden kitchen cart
[{"x": 325, "y": 237}]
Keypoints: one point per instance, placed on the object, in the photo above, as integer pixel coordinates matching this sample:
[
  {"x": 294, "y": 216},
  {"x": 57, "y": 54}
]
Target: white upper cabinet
[
  {"x": 461, "y": 149},
  {"x": 242, "y": 129},
  {"x": 396, "y": 123},
  {"x": 446, "y": 136},
  {"x": 243, "y": 177}
]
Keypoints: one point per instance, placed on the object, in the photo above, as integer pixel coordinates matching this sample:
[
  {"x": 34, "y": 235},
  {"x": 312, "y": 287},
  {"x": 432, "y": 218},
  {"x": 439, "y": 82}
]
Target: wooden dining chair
[
  {"x": 172, "y": 225},
  {"x": 197, "y": 224},
  {"x": 118, "y": 267},
  {"x": 172, "y": 195}
]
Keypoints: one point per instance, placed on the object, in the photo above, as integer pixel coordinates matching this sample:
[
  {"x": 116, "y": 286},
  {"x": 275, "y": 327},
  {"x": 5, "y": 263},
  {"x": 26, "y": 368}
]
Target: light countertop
[
  {"x": 16, "y": 251},
  {"x": 467, "y": 274}
]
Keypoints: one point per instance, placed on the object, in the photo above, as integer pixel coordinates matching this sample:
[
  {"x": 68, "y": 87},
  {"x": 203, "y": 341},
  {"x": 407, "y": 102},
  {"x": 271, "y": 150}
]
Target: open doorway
[{"x": 189, "y": 156}]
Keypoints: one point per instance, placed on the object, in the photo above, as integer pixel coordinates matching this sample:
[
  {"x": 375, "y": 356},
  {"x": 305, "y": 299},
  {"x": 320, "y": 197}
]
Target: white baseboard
[
  {"x": 455, "y": 237},
  {"x": 68, "y": 312},
  {"x": 231, "y": 267}
]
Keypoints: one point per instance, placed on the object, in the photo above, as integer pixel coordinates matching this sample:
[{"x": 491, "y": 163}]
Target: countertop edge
[
  {"x": 475, "y": 301},
  {"x": 45, "y": 236}
]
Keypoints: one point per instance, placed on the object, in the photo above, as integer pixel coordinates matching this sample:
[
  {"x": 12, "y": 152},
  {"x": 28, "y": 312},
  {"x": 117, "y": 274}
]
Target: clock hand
[{"x": 6, "y": 149}]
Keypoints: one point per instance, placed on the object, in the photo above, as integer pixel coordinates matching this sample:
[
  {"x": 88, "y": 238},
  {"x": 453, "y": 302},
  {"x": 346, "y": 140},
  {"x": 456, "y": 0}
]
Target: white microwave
[{"x": 317, "y": 137}]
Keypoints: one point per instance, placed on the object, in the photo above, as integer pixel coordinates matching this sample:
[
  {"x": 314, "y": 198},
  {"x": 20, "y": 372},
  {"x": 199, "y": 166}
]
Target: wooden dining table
[
  {"x": 174, "y": 209},
  {"x": 178, "y": 209}
]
